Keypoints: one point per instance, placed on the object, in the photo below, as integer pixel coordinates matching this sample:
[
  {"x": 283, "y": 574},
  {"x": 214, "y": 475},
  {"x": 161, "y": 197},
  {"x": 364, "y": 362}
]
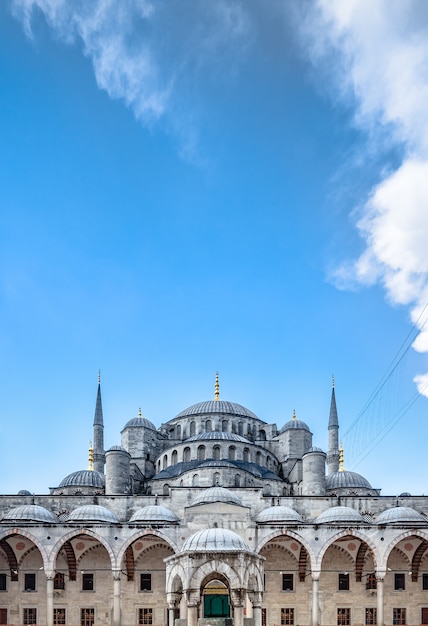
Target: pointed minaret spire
[
  {"x": 217, "y": 388},
  {"x": 98, "y": 450},
  {"x": 333, "y": 434}
]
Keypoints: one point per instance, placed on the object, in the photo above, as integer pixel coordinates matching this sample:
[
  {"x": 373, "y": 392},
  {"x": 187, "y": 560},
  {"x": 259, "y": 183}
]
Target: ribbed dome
[
  {"x": 117, "y": 449},
  {"x": 217, "y": 406},
  {"x": 216, "y": 435},
  {"x": 84, "y": 478},
  {"x": 339, "y": 514},
  {"x": 294, "y": 424},
  {"x": 31, "y": 513},
  {"x": 154, "y": 513},
  {"x": 92, "y": 513},
  {"x": 401, "y": 515},
  {"x": 348, "y": 480},
  {"x": 217, "y": 494},
  {"x": 279, "y": 514},
  {"x": 139, "y": 422},
  {"x": 215, "y": 540}
]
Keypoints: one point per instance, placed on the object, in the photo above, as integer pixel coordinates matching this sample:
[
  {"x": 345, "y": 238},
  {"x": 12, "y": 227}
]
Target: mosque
[{"x": 215, "y": 518}]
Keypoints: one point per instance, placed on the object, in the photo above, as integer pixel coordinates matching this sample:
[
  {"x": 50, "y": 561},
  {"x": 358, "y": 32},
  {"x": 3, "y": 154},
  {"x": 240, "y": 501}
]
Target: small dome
[
  {"x": 83, "y": 478},
  {"x": 154, "y": 513},
  {"x": 217, "y": 406},
  {"x": 215, "y": 540},
  {"x": 294, "y": 424},
  {"x": 339, "y": 514},
  {"x": 30, "y": 513},
  {"x": 347, "y": 480},
  {"x": 117, "y": 449},
  {"x": 279, "y": 514},
  {"x": 217, "y": 494},
  {"x": 24, "y": 492},
  {"x": 216, "y": 435},
  {"x": 401, "y": 515},
  {"x": 139, "y": 422},
  {"x": 315, "y": 449},
  {"x": 405, "y": 494},
  {"x": 92, "y": 513}
]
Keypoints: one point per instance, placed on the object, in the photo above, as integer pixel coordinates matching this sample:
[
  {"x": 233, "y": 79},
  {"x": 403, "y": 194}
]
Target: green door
[{"x": 216, "y": 605}]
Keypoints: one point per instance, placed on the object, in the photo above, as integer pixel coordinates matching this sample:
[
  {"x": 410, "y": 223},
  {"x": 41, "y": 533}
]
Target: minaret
[
  {"x": 98, "y": 451},
  {"x": 333, "y": 435}
]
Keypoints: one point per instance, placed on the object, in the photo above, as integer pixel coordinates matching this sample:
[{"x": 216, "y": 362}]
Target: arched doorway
[{"x": 216, "y": 603}]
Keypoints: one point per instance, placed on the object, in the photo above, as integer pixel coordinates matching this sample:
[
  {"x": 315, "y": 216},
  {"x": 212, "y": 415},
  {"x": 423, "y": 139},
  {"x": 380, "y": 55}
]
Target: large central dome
[{"x": 211, "y": 407}]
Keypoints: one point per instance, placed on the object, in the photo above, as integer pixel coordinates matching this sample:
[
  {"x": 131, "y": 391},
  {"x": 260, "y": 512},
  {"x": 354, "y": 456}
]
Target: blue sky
[{"x": 190, "y": 187}]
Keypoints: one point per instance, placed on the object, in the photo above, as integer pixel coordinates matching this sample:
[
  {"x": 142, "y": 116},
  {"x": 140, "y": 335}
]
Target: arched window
[
  {"x": 216, "y": 453},
  {"x": 262, "y": 435},
  {"x": 240, "y": 428},
  {"x": 259, "y": 457},
  {"x": 201, "y": 453},
  {"x": 195, "y": 480},
  {"x": 186, "y": 455},
  {"x": 224, "y": 426},
  {"x": 192, "y": 429},
  {"x": 208, "y": 426},
  {"x": 232, "y": 453},
  {"x": 237, "y": 480},
  {"x": 174, "y": 457},
  {"x": 246, "y": 455},
  {"x": 159, "y": 466},
  {"x": 178, "y": 431},
  {"x": 166, "y": 490},
  {"x": 267, "y": 490},
  {"x": 268, "y": 462},
  {"x": 165, "y": 462},
  {"x": 216, "y": 479}
]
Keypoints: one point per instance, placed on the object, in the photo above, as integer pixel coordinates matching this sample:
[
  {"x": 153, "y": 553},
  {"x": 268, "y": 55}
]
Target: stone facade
[{"x": 214, "y": 518}]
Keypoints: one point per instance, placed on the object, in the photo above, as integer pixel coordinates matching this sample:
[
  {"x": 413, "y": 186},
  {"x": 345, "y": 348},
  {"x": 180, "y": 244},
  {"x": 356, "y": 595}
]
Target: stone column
[
  {"x": 380, "y": 603},
  {"x": 116, "y": 597},
  {"x": 256, "y": 601},
  {"x": 238, "y": 607},
  {"x": 315, "y": 598},
  {"x": 192, "y": 615},
  {"x": 50, "y": 575},
  {"x": 171, "y": 616}
]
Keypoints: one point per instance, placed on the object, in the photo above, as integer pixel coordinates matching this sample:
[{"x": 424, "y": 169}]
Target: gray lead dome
[
  {"x": 217, "y": 406},
  {"x": 215, "y": 540},
  {"x": 83, "y": 478},
  {"x": 30, "y": 513}
]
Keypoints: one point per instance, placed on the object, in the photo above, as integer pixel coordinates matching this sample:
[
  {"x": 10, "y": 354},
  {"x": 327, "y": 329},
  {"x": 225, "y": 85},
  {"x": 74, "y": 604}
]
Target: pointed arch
[
  {"x": 348, "y": 532},
  {"x": 417, "y": 559},
  {"x": 76, "y": 532}
]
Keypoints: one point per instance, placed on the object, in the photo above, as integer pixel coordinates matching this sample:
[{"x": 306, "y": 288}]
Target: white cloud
[{"x": 377, "y": 53}]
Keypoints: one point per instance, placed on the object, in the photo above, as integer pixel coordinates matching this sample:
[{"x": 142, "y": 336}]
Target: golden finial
[
  {"x": 217, "y": 388},
  {"x": 294, "y": 415},
  {"x": 140, "y": 415},
  {"x": 332, "y": 380},
  {"x": 341, "y": 467},
  {"x": 91, "y": 457},
  {"x": 99, "y": 377}
]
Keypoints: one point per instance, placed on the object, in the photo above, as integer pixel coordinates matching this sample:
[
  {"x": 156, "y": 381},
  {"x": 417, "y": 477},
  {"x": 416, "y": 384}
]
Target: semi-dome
[
  {"x": 217, "y": 435},
  {"x": 84, "y": 478},
  {"x": 154, "y": 514},
  {"x": 294, "y": 424},
  {"x": 30, "y": 513},
  {"x": 139, "y": 422},
  {"x": 347, "y": 480},
  {"x": 339, "y": 514},
  {"x": 215, "y": 540},
  {"x": 401, "y": 515},
  {"x": 92, "y": 513},
  {"x": 217, "y": 494},
  {"x": 217, "y": 406},
  {"x": 279, "y": 514}
]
